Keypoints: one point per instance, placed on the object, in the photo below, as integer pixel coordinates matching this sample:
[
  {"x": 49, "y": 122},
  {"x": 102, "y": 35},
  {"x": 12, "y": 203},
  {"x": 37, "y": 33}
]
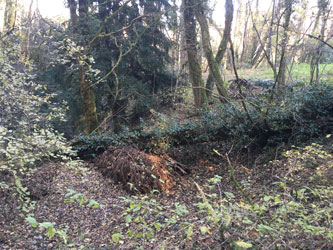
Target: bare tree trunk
[
  {"x": 238, "y": 33},
  {"x": 88, "y": 97},
  {"x": 199, "y": 92},
  {"x": 25, "y": 53},
  {"x": 259, "y": 51},
  {"x": 315, "y": 59},
  {"x": 258, "y": 56},
  {"x": 183, "y": 66},
  {"x": 270, "y": 34},
  {"x": 74, "y": 17},
  {"x": 281, "y": 77},
  {"x": 254, "y": 38},
  {"x": 229, "y": 9},
  {"x": 269, "y": 60},
  {"x": 245, "y": 34}
]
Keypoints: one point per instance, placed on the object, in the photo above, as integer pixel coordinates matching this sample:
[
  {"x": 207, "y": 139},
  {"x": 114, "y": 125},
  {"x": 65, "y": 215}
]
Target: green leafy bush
[
  {"x": 27, "y": 138},
  {"x": 303, "y": 112}
]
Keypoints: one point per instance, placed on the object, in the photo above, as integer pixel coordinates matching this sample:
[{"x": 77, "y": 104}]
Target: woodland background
[{"x": 145, "y": 124}]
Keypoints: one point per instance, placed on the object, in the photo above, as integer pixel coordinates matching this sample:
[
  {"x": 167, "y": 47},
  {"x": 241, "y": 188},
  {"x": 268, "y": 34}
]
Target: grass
[{"x": 299, "y": 72}]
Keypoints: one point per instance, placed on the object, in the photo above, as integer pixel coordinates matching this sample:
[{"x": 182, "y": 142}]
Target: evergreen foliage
[{"x": 136, "y": 54}]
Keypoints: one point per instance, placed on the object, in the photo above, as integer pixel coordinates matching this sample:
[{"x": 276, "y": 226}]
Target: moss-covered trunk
[
  {"x": 80, "y": 28},
  {"x": 213, "y": 65},
  {"x": 89, "y": 106},
  {"x": 10, "y": 14},
  {"x": 199, "y": 92},
  {"x": 229, "y": 9}
]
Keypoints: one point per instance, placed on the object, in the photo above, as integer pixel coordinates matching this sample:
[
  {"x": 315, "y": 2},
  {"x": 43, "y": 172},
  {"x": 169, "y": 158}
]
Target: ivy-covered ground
[{"x": 285, "y": 203}]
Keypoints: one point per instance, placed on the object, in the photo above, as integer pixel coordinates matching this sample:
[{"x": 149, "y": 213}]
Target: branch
[
  {"x": 318, "y": 38},
  {"x": 120, "y": 57},
  {"x": 107, "y": 19},
  {"x": 100, "y": 35}
]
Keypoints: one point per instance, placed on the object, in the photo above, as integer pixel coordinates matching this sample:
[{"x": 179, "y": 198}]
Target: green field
[{"x": 299, "y": 72}]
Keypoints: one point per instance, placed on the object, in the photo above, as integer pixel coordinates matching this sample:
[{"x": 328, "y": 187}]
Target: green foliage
[
  {"x": 72, "y": 196},
  {"x": 297, "y": 213},
  {"x": 27, "y": 137},
  {"x": 303, "y": 112},
  {"x": 51, "y": 231},
  {"x": 144, "y": 217},
  {"x": 127, "y": 70}
]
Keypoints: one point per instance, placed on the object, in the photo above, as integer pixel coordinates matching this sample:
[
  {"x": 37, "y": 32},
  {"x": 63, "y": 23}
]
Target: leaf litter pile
[
  {"x": 138, "y": 171},
  {"x": 129, "y": 199}
]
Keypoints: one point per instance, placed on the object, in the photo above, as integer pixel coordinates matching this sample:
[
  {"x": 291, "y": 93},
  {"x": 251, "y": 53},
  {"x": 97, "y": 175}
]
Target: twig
[{"x": 203, "y": 196}]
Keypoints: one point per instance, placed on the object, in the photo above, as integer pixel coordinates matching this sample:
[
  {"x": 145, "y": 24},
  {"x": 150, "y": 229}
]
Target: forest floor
[{"x": 184, "y": 217}]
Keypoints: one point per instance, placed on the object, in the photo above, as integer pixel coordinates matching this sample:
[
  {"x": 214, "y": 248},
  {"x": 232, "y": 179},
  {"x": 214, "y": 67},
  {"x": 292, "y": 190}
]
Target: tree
[
  {"x": 229, "y": 10},
  {"x": 281, "y": 76},
  {"x": 126, "y": 57},
  {"x": 323, "y": 11},
  {"x": 10, "y": 14},
  {"x": 195, "y": 71},
  {"x": 81, "y": 29},
  {"x": 25, "y": 53},
  {"x": 212, "y": 63},
  {"x": 27, "y": 113}
]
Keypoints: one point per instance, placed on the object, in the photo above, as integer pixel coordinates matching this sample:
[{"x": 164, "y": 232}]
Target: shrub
[{"x": 26, "y": 135}]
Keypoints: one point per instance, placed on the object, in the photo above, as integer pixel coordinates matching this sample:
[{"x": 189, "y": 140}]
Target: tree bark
[
  {"x": 245, "y": 33},
  {"x": 80, "y": 26},
  {"x": 10, "y": 14},
  {"x": 195, "y": 71},
  {"x": 315, "y": 59},
  {"x": 254, "y": 38},
  {"x": 270, "y": 34},
  {"x": 229, "y": 9},
  {"x": 73, "y": 15},
  {"x": 213, "y": 65},
  {"x": 89, "y": 105},
  {"x": 281, "y": 77},
  {"x": 25, "y": 51}
]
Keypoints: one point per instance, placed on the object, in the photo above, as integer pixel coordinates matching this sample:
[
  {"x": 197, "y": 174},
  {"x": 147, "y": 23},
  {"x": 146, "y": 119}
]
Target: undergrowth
[
  {"x": 296, "y": 212},
  {"x": 299, "y": 113}
]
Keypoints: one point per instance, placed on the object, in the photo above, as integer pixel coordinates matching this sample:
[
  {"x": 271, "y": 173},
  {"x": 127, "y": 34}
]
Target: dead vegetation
[
  {"x": 137, "y": 171},
  {"x": 177, "y": 219}
]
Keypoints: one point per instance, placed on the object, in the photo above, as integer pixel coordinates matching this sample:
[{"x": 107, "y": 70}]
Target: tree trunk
[
  {"x": 270, "y": 34},
  {"x": 10, "y": 14},
  {"x": 88, "y": 97},
  {"x": 183, "y": 66},
  {"x": 315, "y": 59},
  {"x": 281, "y": 77},
  {"x": 254, "y": 37},
  {"x": 245, "y": 34},
  {"x": 25, "y": 51},
  {"x": 74, "y": 17},
  {"x": 229, "y": 9},
  {"x": 80, "y": 26},
  {"x": 213, "y": 65},
  {"x": 199, "y": 92}
]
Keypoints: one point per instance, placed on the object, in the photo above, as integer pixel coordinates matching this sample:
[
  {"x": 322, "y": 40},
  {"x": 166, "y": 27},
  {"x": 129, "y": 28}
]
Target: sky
[{"x": 53, "y": 8}]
